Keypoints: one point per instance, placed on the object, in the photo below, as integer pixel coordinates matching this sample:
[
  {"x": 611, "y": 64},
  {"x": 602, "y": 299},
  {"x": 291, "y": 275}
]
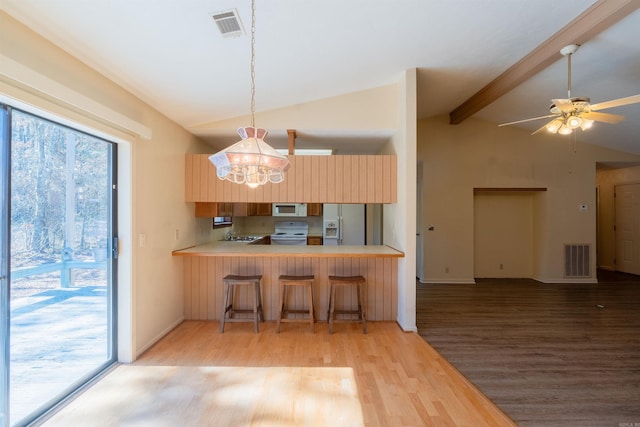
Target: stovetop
[{"x": 284, "y": 229}]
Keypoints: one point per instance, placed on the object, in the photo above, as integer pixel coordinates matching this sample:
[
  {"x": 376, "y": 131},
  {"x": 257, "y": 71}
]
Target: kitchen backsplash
[{"x": 266, "y": 224}]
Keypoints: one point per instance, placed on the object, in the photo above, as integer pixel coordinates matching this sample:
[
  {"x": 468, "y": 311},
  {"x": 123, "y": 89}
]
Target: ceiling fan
[{"x": 572, "y": 113}]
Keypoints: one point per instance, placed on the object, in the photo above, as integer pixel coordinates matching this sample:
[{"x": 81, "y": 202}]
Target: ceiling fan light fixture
[
  {"x": 565, "y": 130},
  {"x": 554, "y": 125},
  {"x": 574, "y": 122},
  {"x": 586, "y": 124}
]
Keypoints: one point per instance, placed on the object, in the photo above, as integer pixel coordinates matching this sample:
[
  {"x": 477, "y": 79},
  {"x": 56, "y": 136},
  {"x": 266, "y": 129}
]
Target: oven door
[{"x": 279, "y": 240}]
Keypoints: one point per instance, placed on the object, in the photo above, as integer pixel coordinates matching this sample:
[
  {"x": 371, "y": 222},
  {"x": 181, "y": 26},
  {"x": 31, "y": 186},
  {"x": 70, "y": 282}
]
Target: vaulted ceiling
[{"x": 170, "y": 54}]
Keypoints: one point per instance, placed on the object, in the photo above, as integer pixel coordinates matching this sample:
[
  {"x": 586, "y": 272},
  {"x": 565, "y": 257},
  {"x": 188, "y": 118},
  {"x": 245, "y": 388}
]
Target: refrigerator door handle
[{"x": 340, "y": 232}]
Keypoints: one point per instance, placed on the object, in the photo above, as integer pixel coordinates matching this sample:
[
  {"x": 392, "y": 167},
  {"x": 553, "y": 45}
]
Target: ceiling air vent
[{"x": 228, "y": 23}]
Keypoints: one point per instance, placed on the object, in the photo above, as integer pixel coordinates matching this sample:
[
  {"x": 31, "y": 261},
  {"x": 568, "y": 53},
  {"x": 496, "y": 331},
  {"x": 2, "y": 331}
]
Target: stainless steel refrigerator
[{"x": 343, "y": 224}]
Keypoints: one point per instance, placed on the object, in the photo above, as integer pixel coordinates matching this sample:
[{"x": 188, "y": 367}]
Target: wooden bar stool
[
  {"x": 228, "y": 310},
  {"x": 285, "y": 282},
  {"x": 360, "y": 282}
]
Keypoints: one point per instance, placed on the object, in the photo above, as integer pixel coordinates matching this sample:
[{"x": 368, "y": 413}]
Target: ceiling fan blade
[
  {"x": 603, "y": 117},
  {"x": 564, "y": 105},
  {"x": 616, "y": 103},
  {"x": 528, "y": 120},
  {"x": 540, "y": 129}
]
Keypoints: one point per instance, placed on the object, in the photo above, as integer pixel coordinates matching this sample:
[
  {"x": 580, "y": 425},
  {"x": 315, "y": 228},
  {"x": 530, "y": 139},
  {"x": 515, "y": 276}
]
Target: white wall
[{"x": 399, "y": 219}]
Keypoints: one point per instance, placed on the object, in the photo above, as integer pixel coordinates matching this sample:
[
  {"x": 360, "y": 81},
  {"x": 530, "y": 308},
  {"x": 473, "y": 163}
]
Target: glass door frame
[
  {"x": 5, "y": 239},
  {"x": 5, "y": 226}
]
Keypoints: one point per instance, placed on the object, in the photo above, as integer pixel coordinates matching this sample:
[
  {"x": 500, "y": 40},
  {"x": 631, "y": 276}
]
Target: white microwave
[{"x": 289, "y": 209}]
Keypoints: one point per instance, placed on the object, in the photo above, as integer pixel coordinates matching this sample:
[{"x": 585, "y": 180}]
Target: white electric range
[{"x": 290, "y": 233}]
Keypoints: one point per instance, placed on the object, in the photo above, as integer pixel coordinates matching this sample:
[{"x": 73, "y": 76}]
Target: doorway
[
  {"x": 627, "y": 230},
  {"x": 59, "y": 287}
]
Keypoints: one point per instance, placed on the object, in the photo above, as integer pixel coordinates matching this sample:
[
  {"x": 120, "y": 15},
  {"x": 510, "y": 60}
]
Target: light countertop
[{"x": 230, "y": 249}]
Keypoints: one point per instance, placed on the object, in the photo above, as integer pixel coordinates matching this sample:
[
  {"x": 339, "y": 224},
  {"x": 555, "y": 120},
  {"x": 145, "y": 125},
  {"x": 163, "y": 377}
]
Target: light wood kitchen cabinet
[
  {"x": 314, "y": 209},
  {"x": 206, "y": 210},
  {"x": 310, "y": 179},
  {"x": 314, "y": 240}
]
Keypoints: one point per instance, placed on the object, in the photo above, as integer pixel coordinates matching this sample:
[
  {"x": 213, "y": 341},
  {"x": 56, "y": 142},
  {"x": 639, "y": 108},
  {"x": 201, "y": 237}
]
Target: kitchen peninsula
[{"x": 205, "y": 266}]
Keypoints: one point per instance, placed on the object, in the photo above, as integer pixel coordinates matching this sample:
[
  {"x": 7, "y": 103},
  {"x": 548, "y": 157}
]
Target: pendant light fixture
[{"x": 251, "y": 161}]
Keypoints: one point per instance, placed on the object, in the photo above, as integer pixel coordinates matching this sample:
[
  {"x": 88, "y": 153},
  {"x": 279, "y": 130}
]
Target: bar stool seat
[
  {"x": 334, "y": 282},
  {"x": 228, "y": 309},
  {"x": 286, "y": 281}
]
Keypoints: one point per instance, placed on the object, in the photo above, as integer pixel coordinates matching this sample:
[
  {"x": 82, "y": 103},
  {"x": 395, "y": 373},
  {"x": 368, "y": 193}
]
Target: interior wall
[
  {"x": 503, "y": 234},
  {"x": 154, "y": 220},
  {"x": 399, "y": 219},
  {"x": 606, "y": 180},
  {"x": 369, "y": 109},
  {"x": 476, "y": 153}
]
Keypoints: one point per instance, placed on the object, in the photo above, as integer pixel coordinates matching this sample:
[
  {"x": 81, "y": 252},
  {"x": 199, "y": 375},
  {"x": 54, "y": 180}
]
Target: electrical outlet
[
  {"x": 142, "y": 240},
  {"x": 177, "y": 233}
]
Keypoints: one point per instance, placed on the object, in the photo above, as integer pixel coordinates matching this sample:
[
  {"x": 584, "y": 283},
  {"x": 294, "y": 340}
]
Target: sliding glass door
[
  {"x": 5, "y": 155},
  {"x": 61, "y": 283}
]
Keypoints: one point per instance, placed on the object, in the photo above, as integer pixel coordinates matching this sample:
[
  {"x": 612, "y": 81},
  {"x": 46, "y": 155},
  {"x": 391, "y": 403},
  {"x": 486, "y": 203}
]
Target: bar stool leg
[
  {"x": 255, "y": 307},
  {"x": 225, "y": 300},
  {"x": 362, "y": 314},
  {"x": 280, "y": 307},
  {"x": 311, "y": 319},
  {"x": 259, "y": 299},
  {"x": 332, "y": 306}
]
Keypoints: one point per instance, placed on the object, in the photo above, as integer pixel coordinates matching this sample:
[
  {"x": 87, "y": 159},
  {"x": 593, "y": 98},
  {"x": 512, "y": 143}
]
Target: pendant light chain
[
  {"x": 251, "y": 161},
  {"x": 253, "y": 62}
]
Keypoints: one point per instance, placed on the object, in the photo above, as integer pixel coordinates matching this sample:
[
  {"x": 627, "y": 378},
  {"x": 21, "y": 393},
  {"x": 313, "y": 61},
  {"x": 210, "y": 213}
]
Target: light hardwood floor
[
  {"x": 196, "y": 377},
  {"x": 547, "y": 354}
]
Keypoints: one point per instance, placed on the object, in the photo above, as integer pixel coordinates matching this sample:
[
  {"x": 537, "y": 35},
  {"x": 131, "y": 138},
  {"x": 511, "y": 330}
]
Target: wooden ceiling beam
[
  {"x": 292, "y": 141},
  {"x": 597, "y": 18}
]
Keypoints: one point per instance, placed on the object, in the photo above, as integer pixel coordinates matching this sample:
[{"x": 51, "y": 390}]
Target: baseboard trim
[
  {"x": 583, "y": 281},
  {"x": 471, "y": 281},
  {"x": 159, "y": 336}
]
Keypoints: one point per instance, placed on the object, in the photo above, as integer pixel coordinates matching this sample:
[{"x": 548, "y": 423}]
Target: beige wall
[
  {"x": 151, "y": 174},
  {"x": 373, "y": 109},
  {"x": 479, "y": 154},
  {"x": 607, "y": 181},
  {"x": 503, "y": 234}
]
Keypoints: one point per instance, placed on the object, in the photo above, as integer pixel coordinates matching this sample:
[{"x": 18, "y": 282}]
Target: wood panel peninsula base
[{"x": 206, "y": 265}]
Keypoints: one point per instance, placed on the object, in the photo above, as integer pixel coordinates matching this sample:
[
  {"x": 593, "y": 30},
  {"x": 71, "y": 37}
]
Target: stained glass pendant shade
[{"x": 250, "y": 161}]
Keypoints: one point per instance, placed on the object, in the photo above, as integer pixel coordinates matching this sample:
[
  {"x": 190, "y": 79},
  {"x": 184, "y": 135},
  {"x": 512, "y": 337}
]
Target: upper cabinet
[
  {"x": 310, "y": 179},
  {"x": 314, "y": 209},
  {"x": 259, "y": 209}
]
